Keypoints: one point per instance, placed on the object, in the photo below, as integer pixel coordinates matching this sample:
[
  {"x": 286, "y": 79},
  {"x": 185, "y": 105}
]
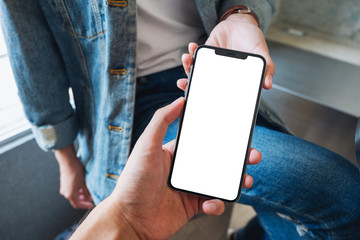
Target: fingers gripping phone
[{"x": 217, "y": 122}]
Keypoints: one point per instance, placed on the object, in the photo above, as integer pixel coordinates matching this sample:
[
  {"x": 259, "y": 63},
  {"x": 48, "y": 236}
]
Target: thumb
[
  {"x": 155, "y": 131},
  {"x": 213, "y": 207}
]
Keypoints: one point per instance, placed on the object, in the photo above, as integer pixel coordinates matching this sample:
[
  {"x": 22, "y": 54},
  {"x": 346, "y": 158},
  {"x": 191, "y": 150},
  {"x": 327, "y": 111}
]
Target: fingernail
[{"x": 212, "y": 207}]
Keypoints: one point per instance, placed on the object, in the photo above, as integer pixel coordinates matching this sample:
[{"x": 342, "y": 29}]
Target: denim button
[
  {"x": 121, "y": 71},
  {"x": 117, "y": 3},
  {"x": 113, "y": 176},
  {"x": 115, "y": 128}
]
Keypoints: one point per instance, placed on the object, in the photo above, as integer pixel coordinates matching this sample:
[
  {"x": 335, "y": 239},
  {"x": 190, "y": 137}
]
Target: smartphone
[{"x": 215, "y": 129}]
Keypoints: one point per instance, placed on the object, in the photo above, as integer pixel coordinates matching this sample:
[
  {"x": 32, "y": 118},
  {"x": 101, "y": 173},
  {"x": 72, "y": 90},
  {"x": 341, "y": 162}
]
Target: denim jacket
[{"x": 89, "y": 46}]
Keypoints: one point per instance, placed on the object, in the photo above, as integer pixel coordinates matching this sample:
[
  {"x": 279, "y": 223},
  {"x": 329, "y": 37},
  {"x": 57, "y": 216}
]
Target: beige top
[{"x": 164, "y": 29}]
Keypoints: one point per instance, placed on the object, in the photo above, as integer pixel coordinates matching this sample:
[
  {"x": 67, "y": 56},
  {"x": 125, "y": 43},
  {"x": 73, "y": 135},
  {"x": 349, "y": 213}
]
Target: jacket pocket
[{"x": 82, "y": 18}]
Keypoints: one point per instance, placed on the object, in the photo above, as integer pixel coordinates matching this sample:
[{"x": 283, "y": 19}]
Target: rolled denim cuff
[
  {"x": 53, "y": 137},
  {"x": 264, "y": 10}
]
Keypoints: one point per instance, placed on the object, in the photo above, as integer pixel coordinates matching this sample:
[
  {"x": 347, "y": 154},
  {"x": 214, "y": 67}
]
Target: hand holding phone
[{"x": 215, "y": 130}]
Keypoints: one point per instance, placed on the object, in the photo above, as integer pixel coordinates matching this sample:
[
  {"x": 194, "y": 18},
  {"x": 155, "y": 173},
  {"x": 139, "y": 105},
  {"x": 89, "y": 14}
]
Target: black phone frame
[{"x": 228, "y": 53}]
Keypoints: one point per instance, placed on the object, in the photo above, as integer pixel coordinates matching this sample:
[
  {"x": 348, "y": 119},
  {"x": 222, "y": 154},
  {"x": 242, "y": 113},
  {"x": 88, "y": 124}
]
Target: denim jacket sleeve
[
  {"x": 43, "y": 87},
  {"x": 263, "y": 9}
]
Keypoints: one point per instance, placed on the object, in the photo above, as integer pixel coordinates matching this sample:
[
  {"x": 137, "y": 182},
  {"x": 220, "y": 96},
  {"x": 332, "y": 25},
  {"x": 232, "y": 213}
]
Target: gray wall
[{"x": 336, "y": 19}]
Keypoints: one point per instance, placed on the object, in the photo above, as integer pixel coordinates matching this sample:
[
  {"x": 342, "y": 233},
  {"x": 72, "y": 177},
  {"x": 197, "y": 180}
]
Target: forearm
[{"x": 105, "y": 222}]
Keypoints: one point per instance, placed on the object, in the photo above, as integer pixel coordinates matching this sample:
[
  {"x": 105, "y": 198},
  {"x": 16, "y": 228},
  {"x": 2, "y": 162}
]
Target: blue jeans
[{"x": 300, "y": 190}]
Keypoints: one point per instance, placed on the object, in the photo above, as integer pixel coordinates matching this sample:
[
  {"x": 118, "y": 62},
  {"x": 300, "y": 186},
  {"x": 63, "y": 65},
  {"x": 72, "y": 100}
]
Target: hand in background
[
  {"x": 72, "y": 178},
  {"x": 238, "y": 32},
  {"x": 142, "y": 205}
]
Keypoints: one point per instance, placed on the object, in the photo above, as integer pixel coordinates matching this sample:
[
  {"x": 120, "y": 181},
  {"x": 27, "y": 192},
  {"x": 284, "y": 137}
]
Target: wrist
[
  {"x": 120, "y": 217},
  {"x": 243, "y": 17},
  {"x": 66, "y": 156},
  {"x": 106, "y": 221}
]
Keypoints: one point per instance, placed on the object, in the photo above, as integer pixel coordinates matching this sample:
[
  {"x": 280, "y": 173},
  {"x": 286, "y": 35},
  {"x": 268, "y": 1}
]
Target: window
[{"x": 13, "y": 123}]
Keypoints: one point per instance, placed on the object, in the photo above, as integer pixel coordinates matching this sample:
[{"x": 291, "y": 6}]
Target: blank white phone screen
[{"x": 216, "y": 125}]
